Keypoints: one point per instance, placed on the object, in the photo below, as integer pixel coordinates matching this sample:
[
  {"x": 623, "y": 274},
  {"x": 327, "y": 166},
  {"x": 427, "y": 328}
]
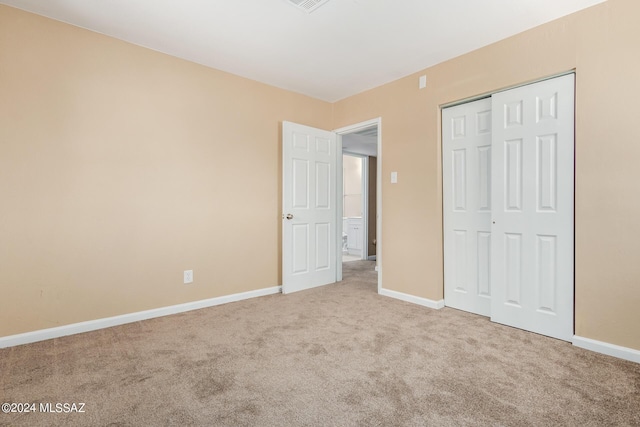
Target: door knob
[{"x": 289, "y": 216}]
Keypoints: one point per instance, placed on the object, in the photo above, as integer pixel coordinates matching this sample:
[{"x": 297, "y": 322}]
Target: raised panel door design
[
  {"x": 309, "y": 245},
  {"x": 547, "y": 172},
  {"x": 300, "y": 184},
  {"x": 546, "y": 273},
  {"x": 532, "y": 244},
  {"x": 323, "y": 146},
  {"x": 484, "y": 264},
  {"x": 508, "y": 207},
  {"x": 483, "y": 122},
  {"x": 547, "y": 107},
  {"x": 300, "y": 142},
  {"x": 458, "y": 127},
  {"x": 513, "y": 114},
  {"x": 301, "y": 243},
  {"x": 466, "y": 150},
  {"x": 460, "y": 179},
  {"x": 323, "y": 192},
  {"x": 460, "y": 259},
  {"x": 513, "y": 175},
  {"x": 513, "y": 267},
  {"x": 323, "y": 248},
  {"x": 484, "y": 178}
]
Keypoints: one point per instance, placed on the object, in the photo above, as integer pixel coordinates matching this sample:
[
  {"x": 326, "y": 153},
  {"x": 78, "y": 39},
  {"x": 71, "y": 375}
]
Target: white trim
[
  {"x": 358, "y": 126},
  {"x": 379, "y": 206},
  {"x": 339, "y": 206},
  {"x": 425, "y": 302},
  {"x": 608, "y": 349},
  {"x": 365, "y": 207},
  {"x": 107, "y": 322}
]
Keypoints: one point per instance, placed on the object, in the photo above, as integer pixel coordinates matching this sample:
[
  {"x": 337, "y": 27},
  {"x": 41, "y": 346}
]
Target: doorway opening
[
  {"x": 359, "y": 199},
  {"x": 358, "y": 206}
]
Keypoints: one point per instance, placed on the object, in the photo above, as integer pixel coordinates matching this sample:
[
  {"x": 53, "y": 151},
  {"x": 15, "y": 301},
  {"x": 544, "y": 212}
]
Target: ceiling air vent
[{"x": 307, "y": 5}]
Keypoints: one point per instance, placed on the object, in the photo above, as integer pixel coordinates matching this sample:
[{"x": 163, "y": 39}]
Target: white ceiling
[
  {"x": 342, "y": 48},
  {"x": 359, "y": 143}
]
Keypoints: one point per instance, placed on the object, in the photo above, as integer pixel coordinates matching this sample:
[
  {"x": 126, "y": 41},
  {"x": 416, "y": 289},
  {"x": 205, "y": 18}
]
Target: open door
[{"x": 309, "y": 220}]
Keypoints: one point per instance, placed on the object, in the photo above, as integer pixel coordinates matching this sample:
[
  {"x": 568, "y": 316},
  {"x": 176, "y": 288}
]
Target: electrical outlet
[{"x": 188, "y": 276}]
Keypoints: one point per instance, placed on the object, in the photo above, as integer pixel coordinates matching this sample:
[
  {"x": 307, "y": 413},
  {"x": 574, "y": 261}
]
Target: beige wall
[
  {"x": 603, "y": 44},
  {"x": 120, "y": 167}
]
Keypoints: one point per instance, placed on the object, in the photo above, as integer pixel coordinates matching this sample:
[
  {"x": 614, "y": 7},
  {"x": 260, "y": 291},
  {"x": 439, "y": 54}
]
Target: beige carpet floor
[{"x": 339, "y": 355}]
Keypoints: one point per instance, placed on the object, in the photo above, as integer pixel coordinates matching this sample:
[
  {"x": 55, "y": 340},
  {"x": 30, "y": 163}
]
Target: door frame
[{"x": 339, "y": 194}]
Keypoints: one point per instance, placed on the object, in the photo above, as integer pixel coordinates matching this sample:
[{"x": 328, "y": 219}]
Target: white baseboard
[
  {"x": 92, "y": 325},
  {"x": 413, "y": 299},
  {"x": 608, "y": 349}
]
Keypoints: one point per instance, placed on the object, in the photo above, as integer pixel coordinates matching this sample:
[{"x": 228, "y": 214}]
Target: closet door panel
[{"x": 532, "y": 248}]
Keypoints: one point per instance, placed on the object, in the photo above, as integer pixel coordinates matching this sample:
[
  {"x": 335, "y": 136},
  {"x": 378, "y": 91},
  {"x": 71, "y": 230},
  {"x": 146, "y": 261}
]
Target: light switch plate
[{"x": 394, "y": 177}]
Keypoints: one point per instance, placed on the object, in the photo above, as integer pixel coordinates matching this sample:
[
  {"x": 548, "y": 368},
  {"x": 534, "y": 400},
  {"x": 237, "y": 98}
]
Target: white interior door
[
  {"x": 533, "y": 207},
  {"x": 466, "y": 168},
  {"x": 508, "y": 200},
  {"x": 309, "y": 215}
]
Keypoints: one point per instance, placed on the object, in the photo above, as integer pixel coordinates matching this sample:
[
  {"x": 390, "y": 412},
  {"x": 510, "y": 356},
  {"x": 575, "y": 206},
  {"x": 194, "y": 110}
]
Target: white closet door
[
  {"x": 466, "y": 135},
  {"x": 533, "y": 207}
]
